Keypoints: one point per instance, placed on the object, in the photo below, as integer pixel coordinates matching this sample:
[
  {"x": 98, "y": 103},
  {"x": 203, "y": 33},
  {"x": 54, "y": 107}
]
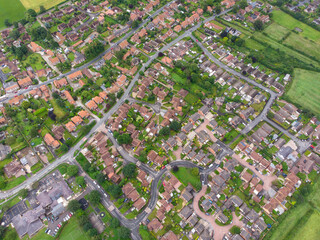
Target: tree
[
  {"x": 64, "y": 148},
  {"x": 175, "y": 169},
  {"x": 35, "y": 185},
  {"x": 258, "y": 25},
  {"x": 119, "y": 54},
  {"x": 94, "y": 49},
  {"x": 235, "y": 230},
  {"x": 195, "y": 171},
  {"x": 7, "y": 23},
  {"x": 124, "y": 233},
  {"x": 100, "y": 178},
  {"x": 25, "y": 104},
  {"x": 72, "y": 170},
  {"x": 15, "y": 34},
  {"x": 81, "y": 181},
  {"x": 135, "y": 24},
  {"x": 73, "y": 206},
  {"x": 33, "y": 132},
  {"x": 114, "y": 190},
  {"x": 124, "y": 139},
  {"x": 114, "y": 222},
  {"x": 42, "y": 9},
  {"x": 130, "y": 170},
  {"x": 32, "y": 12},
  {"x": 165, "y": 131},
  {"x": 87, "y": 226},
  {"x": 92, "y": 232},
  {"x": 218, "y": 9},
  {"x": 3, "y": 184},
  {"x": 94, "y": 197},
  {"x": 23, "y": 193},
  {"x": 175, "y": 126},
  {"x": 243, "y": 4},
  {"x": 2, "y": 231}
]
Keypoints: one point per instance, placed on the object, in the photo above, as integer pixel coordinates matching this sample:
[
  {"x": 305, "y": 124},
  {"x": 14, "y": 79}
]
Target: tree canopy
[
  {"x": 94, "y": 197},
  {"x": 130, "y": 170},
  {"x": 72, "y": 170},
  {"x": 73, "y": 206}
]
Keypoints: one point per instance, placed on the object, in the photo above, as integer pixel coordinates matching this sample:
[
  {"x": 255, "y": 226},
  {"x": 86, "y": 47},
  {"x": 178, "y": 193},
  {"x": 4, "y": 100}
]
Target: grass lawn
[
  {"x": 145, "y": 234},
  {"x": 305, "y": 90},
  {"x": 276, "y": 31},
  {"x": 304, "y": 45},
  {"x": 35, "y": 61},
  {"x": 294, "y": 225},
  {"x": 58, "y": 111},
  {"x": 191, "y": 99},
  {"x": 177, "y": 78},
  {"x": 13, "y": 11},
  {"x": 35, "y": 4},
  {"x": 291, "y": 23},
  {"x": 41, "y": 235},
  {"x": 310, "y": 230},
  {"x": 72, "y": 231},
  {"x": 184, "y": 175},
  {"x": 14, "y": 182}
]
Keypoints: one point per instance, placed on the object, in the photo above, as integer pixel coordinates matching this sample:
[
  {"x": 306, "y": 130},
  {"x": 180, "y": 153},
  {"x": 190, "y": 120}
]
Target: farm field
[
  {"x": 305, "y": 90},
  {"x": 303, "y": 45},
  {"x": 13, "y": 11},
  {"x": 274, "y": 34},
  {"x": 310, "y": 230},
  {"x": 291, "y": 23},
  {"x": 35, "y": 4},
  {"x": 297, "y": 224}
]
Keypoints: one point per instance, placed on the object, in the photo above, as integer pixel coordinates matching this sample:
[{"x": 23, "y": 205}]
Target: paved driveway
[{"x": 267, "y": 179}]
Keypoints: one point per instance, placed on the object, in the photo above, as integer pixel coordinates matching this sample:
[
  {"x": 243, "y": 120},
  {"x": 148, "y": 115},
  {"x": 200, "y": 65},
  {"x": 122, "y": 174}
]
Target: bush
[{"x": 235, "y": 230}]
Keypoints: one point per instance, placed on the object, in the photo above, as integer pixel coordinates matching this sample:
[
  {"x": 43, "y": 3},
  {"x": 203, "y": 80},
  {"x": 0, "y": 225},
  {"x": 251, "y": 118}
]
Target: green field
[
  {"x": 310, "y": 230},
  {"x": 291, "y": 23},
  {"x": 13, "y": 11},
  {"x": 303, "y": 45},
  {"x": 297, "y": 224},
  {"x": 72, "y": 231},
  {"x": 184, "y": 175},
  {"x": 35, "y": 4},
  {"x": 276, "y": 31},
  {"x": 305, "y": 90}
]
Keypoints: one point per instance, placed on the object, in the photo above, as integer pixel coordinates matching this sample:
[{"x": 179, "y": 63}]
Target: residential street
[{"x": 133, "y": 224}]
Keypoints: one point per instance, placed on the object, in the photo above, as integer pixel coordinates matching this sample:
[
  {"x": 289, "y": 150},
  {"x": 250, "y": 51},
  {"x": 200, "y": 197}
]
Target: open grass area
[
  {"x": 185, "y": 177},
  {"x": 41, "y": 235},
  {"x": 302, "y": 221},
  {"x": 72, "y": 231},
  {"x": 58, "y": 111},
  {"x": 191, "y": 99},
  {"x": 291, "y": 23},
  {"x": 35, "y": 4},
  {"x": 35, "y": 61},
  {"x": 14, "y": 182},
  {"x": 12, "y": 10},
  {"x": 305, "y": 90},
  {"x": 310, "y": 230},
  {"x": 276, "y": 31},
  {"x": 303, "y": 45}
]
